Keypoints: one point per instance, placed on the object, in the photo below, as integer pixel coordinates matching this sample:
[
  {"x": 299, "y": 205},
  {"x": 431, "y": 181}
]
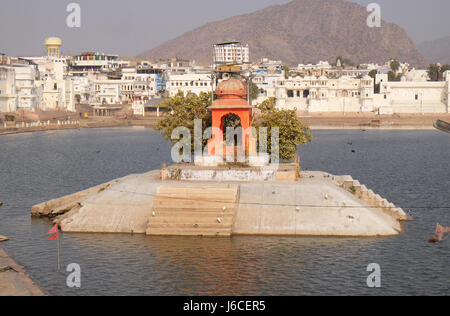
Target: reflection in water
[{"x": 402, "y": 166}]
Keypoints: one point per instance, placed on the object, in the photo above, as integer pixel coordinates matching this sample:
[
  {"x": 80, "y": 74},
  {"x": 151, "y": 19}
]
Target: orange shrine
[{"x": 231, "y": 99}]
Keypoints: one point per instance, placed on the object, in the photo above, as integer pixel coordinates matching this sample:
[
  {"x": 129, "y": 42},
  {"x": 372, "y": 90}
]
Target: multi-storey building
[
  {"x": 350, "y": 94},
  {"x": 8, "y": 96},
  {"x": 83, "y": 89},
  {"x": 157, "y": 73},
  {"x": 189, "y": 83},
  {"x": 26, "y": 74},
  {"x": 91, "y": 62},
  {"x": 108, "y": 91},
  {"x": 320, "y": 94},
  {"x": 231, "y": 53}
]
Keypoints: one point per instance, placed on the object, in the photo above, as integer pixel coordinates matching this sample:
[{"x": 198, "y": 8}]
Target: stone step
[
  {"x": 347, "y": 184},
  {"x": 372, "y": 199},
  {"x": 196, "y": 190},
  {"x": 190, "y": 220},
  {"x": 198, "y": 203},
  {"x": 191, "y": 223},
  {"x": 198, "y": 196},
  {"x": 189, "y": 232},
  {"x": 193, "y": 211},
  {"x": 211, "y": 217},
  {"x": 402, "y": 216},
  {"x": 195, "y": 208}
]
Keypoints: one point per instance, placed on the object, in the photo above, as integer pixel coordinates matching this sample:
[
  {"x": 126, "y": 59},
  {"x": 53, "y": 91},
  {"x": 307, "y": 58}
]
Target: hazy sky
[{"x": 133, "y": 26}]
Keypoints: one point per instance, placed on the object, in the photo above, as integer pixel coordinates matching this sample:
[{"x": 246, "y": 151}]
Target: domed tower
[
  {"x": 231, "y": 99},
  {"x": 53, "y": 45}
]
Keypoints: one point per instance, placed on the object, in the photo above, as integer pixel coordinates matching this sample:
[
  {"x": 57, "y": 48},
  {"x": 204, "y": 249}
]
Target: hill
[
  {"x": 436, "y": 50},
  {"x": 301, "y": 31}
]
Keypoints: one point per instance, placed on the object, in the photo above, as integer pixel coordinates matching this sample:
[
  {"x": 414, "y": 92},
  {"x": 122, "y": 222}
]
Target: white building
[
  {"x": 419, "y": 75},
  {"x": 137, "y": 85},
  {"x": 267, "y": 86},
  {"x": 8, "y": 96},
  {"x": 231, "y": 53},
  {"x": 56, "y": 86},
  {"x": 321, "y": 65},
  {"x": 89, "y": 62},
  {"x": 83, "y": 89},
  {"x": 320, "y": 94},
  {"x": 346, "y": 94},
  {"x": 189, "y": 83},
  {"x": 58, "y": 94},
  {"x": 27, "y": 94},
  {"x": 108, "y": 91},
  {"x": 413, "y": 96}
]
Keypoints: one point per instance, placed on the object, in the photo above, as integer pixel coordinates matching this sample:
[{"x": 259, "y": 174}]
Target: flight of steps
[
  {"x": 371, "y": 198},
  {"x": 193, "y": 211}
]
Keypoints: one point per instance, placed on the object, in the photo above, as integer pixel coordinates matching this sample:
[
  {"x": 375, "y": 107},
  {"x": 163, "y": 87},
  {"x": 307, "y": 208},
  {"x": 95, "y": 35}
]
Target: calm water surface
[{"x": 409, "y": 168}]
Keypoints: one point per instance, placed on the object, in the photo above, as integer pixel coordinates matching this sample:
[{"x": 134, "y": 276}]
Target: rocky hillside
[
  {"x": 437, "y": 50},
  {"x": 301, "y": 31}
]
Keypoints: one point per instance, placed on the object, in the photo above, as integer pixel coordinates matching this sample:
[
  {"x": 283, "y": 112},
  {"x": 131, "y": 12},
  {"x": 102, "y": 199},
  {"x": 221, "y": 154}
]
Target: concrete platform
[
  {"x": 319, "y": 204},
  {"x": 13, "y": 279}
]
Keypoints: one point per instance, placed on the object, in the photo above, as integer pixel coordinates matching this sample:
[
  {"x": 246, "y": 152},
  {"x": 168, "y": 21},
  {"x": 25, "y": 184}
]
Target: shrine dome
[{"x": 231, "y": 89}]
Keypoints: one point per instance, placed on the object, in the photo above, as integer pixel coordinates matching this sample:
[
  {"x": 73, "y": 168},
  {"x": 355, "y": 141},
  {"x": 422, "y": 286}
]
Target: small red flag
[{"x": 54, "y": 231}]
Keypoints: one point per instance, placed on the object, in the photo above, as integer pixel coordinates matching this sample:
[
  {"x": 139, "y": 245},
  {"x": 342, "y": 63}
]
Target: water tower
[{"x": 53, "y": 45}]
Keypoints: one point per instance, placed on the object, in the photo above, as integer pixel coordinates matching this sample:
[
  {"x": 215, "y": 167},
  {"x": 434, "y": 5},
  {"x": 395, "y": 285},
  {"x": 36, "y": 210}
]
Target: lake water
[{"x": 409, "y": 168}]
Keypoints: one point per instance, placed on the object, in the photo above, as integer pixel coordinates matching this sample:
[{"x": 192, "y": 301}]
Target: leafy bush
[{"x": 292, "y": 132}]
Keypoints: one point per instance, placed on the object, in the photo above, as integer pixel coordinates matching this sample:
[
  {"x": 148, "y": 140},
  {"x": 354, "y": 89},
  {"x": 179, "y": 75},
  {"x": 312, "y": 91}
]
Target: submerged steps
[
  {"x": 371, "y": 198},
  {"x": 193, "y": 211}
]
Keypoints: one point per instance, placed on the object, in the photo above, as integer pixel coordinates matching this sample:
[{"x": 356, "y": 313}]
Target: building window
[{"x": 417, "y": 97}]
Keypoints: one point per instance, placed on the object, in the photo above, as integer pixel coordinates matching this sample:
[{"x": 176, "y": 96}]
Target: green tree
[
  {"x": 445, "y": 68},
  {"x": 292, "y": 132},
  {"x": 182, "y": 111},
  {"x": 343, "y": 61},
  {"x": 254, "y": 91},
  {"x": 373, "y": 73},
  {"x": 434, "y": 72},
  {"x": 395, "y": 65},
  {"x": 287, "y": 72},
  {"x": 393, "y": 77}
]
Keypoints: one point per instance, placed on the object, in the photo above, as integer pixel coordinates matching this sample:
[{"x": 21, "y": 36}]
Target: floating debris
[
  {"x": 439, "y": 234},
  {"x": 1, "y": 203}
]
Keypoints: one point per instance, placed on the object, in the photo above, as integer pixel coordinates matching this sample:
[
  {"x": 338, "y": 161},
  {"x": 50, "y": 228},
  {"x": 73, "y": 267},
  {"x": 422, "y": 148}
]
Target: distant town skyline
[{"x": 131, "y": 27}]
